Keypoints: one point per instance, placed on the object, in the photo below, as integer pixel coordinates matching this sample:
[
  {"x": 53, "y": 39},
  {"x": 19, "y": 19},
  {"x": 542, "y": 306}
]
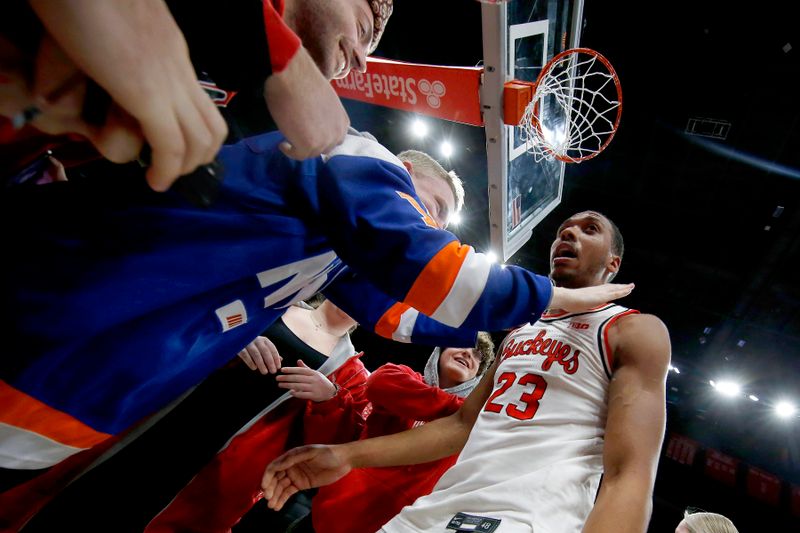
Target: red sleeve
[
  {"x": 7, "y": 131},
  {"x": 339, "y": 419},
  {"x": 283, "y": 43},
  {"x": 399, "y": 390}
]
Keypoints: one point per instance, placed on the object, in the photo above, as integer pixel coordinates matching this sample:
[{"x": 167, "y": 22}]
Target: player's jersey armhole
[{"x": 606, "y": 353}]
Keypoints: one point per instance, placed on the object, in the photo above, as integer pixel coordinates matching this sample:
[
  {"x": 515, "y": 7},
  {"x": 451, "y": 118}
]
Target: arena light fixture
[
  {"x": 728, "y": 388},
  {"x": 419, "y": 128},
  {"x": 446, "y": 148},
  {"x": 455, "y": 219},
  {"x": 491, "y": 256},
  {"x": 785, "y": 409}
]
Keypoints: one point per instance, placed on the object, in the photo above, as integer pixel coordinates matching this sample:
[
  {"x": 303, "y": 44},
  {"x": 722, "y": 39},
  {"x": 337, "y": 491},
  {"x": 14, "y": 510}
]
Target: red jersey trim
[
  {"x": 564, "y": 314},
  {"x": 605, "y": 347}
]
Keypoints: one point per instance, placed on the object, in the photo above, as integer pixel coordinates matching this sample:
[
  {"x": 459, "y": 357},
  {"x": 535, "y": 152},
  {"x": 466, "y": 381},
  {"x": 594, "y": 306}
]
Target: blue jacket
[{"x": 119, "y": 299}]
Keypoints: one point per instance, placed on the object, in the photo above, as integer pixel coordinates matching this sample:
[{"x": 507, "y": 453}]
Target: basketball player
[{"x": 570, "y": 398}]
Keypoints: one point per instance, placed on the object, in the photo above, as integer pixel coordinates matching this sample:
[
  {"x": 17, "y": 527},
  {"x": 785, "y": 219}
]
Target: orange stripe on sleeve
[
  {"x": 25, "y": 412},
  {"x": 609, "y": 355},
  {"x": 435, "y": 281},
  {"x": 390, "y": 320},
  {"x": 425, "y": 216}
]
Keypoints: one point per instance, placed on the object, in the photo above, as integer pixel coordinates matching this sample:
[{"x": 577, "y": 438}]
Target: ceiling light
[
  {"x": 728, "y": 388},
  {"x": 419, "y": 128},
  {"x": 785, "y": 409},
  {"x": 446, "y": 149}
]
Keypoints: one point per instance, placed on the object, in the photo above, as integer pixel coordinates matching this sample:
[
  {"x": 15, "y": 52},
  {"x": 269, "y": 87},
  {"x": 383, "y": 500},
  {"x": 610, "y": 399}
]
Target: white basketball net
[{"x": 581, "y": 92}]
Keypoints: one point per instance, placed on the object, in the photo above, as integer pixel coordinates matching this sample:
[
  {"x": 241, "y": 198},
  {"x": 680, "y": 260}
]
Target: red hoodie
[{"x": 370, "y": 497}]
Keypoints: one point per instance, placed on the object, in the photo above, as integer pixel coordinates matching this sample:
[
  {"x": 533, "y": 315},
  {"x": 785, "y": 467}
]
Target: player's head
[
  {"x": 458, "y": 365},
  {"x": 441, "y": 191},
  {"x": 587, "y": 251},
  {"x": 338, "y": 34},
  {"x": 705, "y": 523}
]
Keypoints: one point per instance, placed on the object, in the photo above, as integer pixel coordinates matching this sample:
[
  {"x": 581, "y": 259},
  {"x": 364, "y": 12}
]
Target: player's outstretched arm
[
  {"x": 313, "y": 466},
  {"x": 635, "y": 426}
]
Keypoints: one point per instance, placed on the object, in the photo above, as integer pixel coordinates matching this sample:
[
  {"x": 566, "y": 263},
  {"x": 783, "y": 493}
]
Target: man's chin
[
  {"x": 563, "y": 279},
  {"x": 559, "y": 276}
]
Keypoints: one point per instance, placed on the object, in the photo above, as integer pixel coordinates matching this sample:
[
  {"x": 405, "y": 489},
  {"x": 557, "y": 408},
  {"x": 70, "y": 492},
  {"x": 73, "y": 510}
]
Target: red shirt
[{"x": 365, "y": 499}]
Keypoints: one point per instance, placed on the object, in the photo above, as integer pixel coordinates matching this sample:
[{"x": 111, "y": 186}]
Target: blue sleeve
[
  {"x": 373, "y": 309},
  {"x": 378, "y": 226}
]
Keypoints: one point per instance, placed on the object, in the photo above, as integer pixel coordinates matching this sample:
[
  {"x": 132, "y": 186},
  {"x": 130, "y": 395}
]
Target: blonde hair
[
  {"x": 425, "y": 162},
  {"x": 485, "y": 349},
  {"x": 708, "y": 523}
]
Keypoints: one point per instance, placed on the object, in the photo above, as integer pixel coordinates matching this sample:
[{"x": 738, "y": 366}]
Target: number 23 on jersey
[{"x": 535, "y": 388}]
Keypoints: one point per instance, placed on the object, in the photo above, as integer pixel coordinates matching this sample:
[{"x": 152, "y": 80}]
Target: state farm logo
[
  {"x": 433, "y": 92},
  {"x": 393, "y": 87}
]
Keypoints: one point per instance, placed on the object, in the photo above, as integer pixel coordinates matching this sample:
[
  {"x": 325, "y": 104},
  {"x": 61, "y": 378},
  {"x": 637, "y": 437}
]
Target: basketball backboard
[{"x": 519, "y": 38}]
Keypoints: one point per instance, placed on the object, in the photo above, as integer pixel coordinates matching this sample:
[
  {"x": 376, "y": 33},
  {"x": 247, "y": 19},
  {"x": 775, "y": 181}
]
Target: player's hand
[
  {"x": 306, "y": 383},
  {"x": 306, "y": 109},
  {"x": 135, "y": 51},
  {"x": 261, "y": 355},
  {"x": 300, "y": 469},
  {"x": 573, "y": 300}
]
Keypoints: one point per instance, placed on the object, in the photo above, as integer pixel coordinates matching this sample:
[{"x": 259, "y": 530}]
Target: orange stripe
[
  {"x": 25, "y": 412},
  {"x": 390, "y": 320},
  {"x": 609, "y": 355},
  {"x": 437, "y": 278},
  {"x": 425, "y": 216}
]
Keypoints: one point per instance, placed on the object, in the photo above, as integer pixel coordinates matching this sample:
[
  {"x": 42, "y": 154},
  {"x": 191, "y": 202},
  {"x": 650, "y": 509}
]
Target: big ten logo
[
  {"x": 433, "y": 92},
  {"x": 578, "y": 325}
]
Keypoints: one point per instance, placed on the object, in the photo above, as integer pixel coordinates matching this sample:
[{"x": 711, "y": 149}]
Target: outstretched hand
[
  {"x": 306, "y": 383},
  {"x": 574, "y": 300},
  {"x": 261, "y": 355},
  {"x": 300, "y": 469}
]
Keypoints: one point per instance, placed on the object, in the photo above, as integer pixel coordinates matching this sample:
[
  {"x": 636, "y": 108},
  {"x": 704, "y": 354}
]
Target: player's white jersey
[{"x": 533, "y": 460}]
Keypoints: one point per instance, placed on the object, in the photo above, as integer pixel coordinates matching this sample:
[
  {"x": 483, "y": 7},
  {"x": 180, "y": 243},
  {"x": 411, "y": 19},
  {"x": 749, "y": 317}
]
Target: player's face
[
  {"x": 457, "y": 365},
  {"x": 337, "y": 33},
  {"x": 436, "y": 196},
  {"x": 580, "y": 256}
]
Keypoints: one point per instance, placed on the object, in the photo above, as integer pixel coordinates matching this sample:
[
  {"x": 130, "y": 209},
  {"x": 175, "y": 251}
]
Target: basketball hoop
[{"x": 580, "y": 94}]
